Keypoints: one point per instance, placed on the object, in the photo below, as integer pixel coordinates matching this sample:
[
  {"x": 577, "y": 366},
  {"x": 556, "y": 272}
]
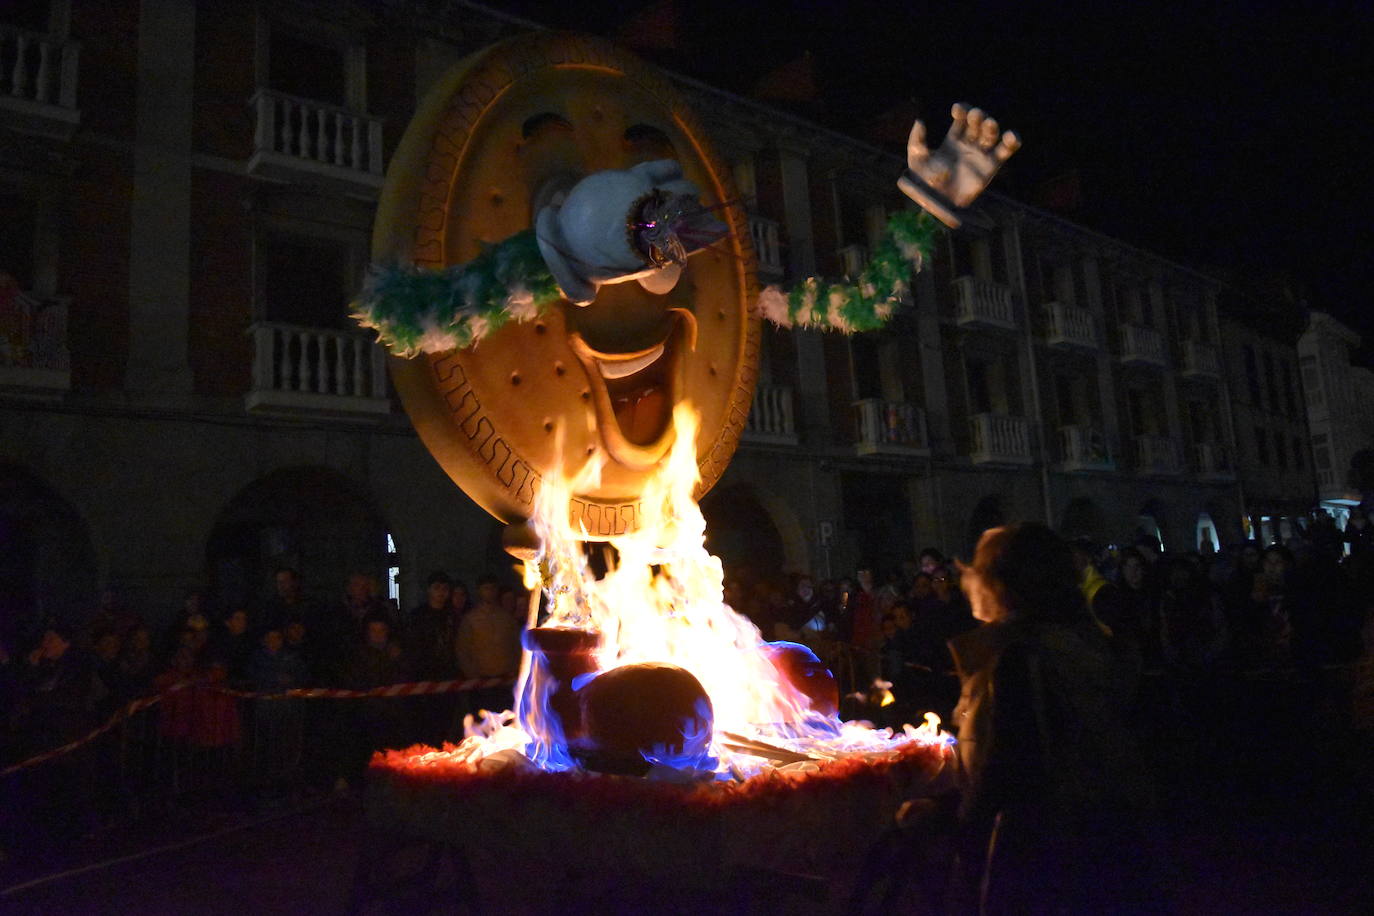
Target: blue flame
[
  {"x": 548, "y": 747},
  {"x": 695, "y": 751}
]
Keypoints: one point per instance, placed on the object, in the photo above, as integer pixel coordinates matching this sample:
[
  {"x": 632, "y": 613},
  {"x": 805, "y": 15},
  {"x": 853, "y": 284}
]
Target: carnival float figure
[{"x": 566, "y": 278}]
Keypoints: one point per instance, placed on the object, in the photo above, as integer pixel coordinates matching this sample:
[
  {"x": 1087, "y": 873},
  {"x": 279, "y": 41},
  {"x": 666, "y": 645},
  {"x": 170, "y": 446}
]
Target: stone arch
[
  {"x": 47, "y": 559},
  {"x": 1082, "y": 517},
  {"x": 1152, "y": 520},
  {"x": 311, "y": 518},
  {"x": 1206, "y": 534},
  {"x": 1226, "y": 520},
  {"x": 989, "y": 512},
  {"x": 747, "y": 526}
]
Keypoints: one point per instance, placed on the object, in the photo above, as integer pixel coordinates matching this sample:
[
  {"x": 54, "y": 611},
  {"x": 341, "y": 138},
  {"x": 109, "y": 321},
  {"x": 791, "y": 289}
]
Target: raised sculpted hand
[{"x": 952, "y": 176}]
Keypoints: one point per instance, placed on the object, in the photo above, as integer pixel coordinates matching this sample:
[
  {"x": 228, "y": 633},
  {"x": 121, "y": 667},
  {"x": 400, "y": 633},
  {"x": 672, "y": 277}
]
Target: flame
[{"x": 661, "y": 601}]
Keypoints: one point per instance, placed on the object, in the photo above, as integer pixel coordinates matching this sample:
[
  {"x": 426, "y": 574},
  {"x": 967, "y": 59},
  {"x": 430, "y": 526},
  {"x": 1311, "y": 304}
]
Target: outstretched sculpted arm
[{"x": 952, "y": 176}]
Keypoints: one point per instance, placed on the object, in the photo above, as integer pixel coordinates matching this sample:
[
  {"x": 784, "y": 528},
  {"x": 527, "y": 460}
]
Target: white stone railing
[
  {"x": 889, "y": 426},
  {"x": 853, "y": 260},
  {"x": 771, "y": 416},
  {"x": 1200, "y": 359},
  {"x": 33, "y": 346},
  {"x": 1211, "y": 460},
  {"x": 1156, "y": 455},
  {"x": 983, "y": 302},
  {"x": 36, "y": 68},
  {"x": 315, "y": 368},
  {"x": 999, "y": 438},
  {"x": 1142, "y": 345},
  {"x": 1083, "y": 447},
  {"x": 1069, "y": 325},
  {"x": 767, "y": 244},
  {"x": 317, "y": 133}
]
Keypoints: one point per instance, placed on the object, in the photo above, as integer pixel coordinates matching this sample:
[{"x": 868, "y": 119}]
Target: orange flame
[{"x": 662, "y": 602}]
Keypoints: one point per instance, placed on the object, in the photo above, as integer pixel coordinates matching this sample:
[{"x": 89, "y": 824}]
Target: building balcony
[
  {"x": 1156, "y": 455},
  {"x": 767, "y": 237},
  {"x": 983, "y": 304},
  {"x": 1200, "y": 360},
  {"x": 1082, "y": 448},
  {"x": 315, "y": 371},
  {"x": 772, "y": 418},
  {"x": 1211, "y": 462},
  {"x": 890, "y": 428},
  {"x": 853, "y": 259},
  {"x": 1069, "y": 327},
  {"x": 1141, "y": 346},
  {"x": 1000, "y": 439},
  {"x": 298, "y": 140},
  {"x": 34, "y": 362},
  {"x": 38, "y": 83}
]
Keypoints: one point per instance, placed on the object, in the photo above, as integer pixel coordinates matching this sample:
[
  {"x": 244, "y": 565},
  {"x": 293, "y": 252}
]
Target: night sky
[{"x": 1228, "y": 138}]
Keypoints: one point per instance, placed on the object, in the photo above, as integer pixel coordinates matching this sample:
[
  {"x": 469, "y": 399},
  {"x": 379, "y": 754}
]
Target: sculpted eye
[
  {"x": 646, "y": 143},
  {"x": 542, "y": 123}
]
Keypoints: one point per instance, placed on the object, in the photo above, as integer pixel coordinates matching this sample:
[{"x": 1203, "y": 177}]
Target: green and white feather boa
[
  {"x": 866, "y": 302},
  {"x": 418, "y": 310}
]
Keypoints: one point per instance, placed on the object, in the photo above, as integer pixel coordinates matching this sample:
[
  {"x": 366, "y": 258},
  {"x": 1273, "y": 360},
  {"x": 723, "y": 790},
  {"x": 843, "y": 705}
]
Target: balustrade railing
[
  {"x": 315, "y": 368},
  {"x": 37, "y": 68},
  {"x": 1200, "y": 359},
  {"x": 1156, "y": 455},
  {"x": 771, "y": 416},
  {"x": 767, "y": 238},
  {"x": 1211, "y": 460},
  {"x": 33, "y": 344},
  {"x": 1083, "y": 448},
  {"x": 1142, "y": 345},
  {"x": 853, "y": 260},
  {"x": 1069, "y": 326},
  {"x": 317, "y": 134},
  {"x": 33, "y": 332},
  {"x": 889, "y": 426},
  {"x": 983, "y": 302},
  {"x": 1000, "y": 439}
]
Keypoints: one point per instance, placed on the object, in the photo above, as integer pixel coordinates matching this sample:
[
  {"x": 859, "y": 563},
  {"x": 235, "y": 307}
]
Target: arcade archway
[
  {"x": 312, "y": 519},
  {"x": 47, "y": 562},
  {"x": 740, "y": 530}
]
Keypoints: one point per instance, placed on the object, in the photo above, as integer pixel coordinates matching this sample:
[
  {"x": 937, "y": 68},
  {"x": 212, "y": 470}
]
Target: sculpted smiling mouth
[{"x": 633, "y": 393}]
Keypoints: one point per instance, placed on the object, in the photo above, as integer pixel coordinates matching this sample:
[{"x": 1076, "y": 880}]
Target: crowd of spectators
[
  {"x": 1176, "y": 619},
  {"x": 67, "y": 680}
]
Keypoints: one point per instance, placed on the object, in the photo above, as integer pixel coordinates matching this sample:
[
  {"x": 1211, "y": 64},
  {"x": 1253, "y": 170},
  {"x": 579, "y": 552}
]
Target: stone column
[
  {"x": 1169, "y": 387},
  {"x": 1106, "y": 381},
  {"x": 932, "y": 356},
  {"x": 814, "y": 421},
  {"x": 160, "y": 221}
]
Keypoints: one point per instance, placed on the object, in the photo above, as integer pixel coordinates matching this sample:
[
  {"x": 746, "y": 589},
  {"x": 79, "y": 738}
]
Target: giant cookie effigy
[{"x": 565, "y": 276}]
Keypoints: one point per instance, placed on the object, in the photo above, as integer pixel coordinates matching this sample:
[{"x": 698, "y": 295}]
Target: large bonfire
[{"x": 659, "y": 607}]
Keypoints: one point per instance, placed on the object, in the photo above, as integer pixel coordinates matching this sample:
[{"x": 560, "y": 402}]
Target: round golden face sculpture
[{"x": 503, "y": 134}]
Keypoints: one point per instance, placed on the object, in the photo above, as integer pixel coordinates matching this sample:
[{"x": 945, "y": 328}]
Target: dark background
[{"x": 1228, "y": 137}]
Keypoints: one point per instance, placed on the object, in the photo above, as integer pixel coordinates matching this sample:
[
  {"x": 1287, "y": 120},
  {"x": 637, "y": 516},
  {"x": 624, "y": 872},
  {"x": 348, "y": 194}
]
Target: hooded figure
[{"x": 1055, "y": 795}]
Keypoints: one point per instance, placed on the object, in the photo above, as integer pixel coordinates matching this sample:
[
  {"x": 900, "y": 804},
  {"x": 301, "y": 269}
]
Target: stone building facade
[
  {"x": 1340, "y": 407},
  {"x": 190, "y": 189}
]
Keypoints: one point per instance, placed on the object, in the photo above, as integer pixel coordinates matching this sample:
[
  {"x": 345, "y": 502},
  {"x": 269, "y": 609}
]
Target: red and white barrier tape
[{"x": 416, "y": 688}]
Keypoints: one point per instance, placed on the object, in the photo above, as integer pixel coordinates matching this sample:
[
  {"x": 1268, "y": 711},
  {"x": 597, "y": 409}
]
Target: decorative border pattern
[{"x": 488, "y": 79}]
